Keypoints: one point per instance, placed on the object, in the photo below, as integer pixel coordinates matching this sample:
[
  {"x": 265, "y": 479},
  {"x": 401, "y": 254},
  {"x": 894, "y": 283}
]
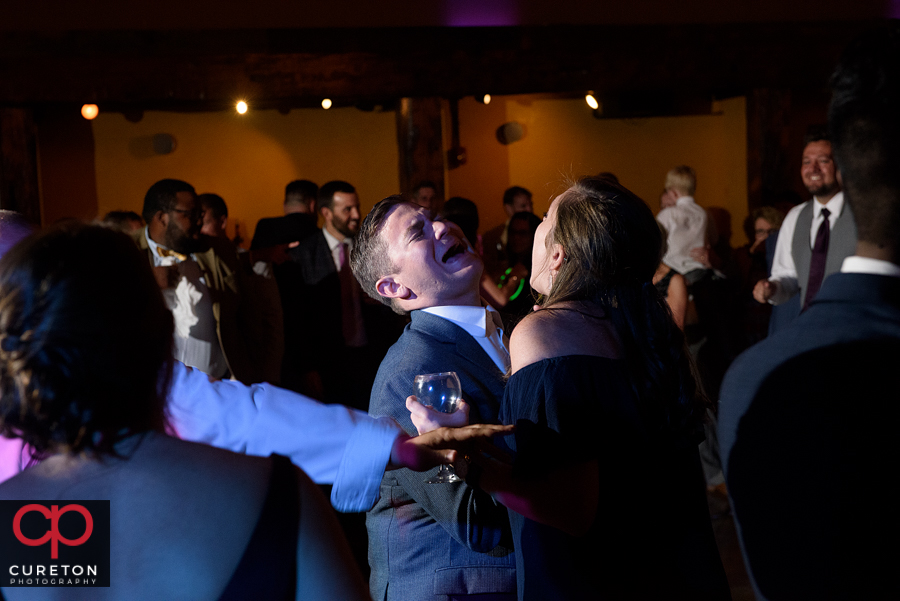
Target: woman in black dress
[{"x": 606, "y": 492}]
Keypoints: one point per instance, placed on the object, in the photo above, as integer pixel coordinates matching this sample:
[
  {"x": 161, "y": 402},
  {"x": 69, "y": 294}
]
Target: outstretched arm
[{"x": 332, "y": 443}]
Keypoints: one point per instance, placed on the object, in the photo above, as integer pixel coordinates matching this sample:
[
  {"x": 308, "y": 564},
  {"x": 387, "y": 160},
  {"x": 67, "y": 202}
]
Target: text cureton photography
[{"x": 54, "y": 543}]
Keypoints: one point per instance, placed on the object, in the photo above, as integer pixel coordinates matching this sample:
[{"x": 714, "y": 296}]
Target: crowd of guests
[{"x": 599, "y": 335}]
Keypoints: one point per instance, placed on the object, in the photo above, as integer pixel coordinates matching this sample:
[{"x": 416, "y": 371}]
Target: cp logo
[{"x": 53, "y": 534}]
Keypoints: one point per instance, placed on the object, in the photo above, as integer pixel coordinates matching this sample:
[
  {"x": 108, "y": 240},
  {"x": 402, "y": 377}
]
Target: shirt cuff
[
  {"x": 358, "y": 481},
  {"x": 784, "y": 289}
]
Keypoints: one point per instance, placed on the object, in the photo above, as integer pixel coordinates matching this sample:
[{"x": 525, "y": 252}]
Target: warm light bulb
[
  {"x": 592, "y": 102},
  {"x": 486, "y": 99},
  {"x": 89, "y": 111},
  {"x": 241, "y": 107},
  {"x": 326, "y": 103}
]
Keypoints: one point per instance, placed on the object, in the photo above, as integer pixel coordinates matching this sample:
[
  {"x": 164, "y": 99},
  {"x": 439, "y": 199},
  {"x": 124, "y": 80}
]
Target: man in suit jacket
[
  {"x": 299, "y": 221},
  {"x": 433, "y": 541},
  {"x": 808, "y": 416},
  {"x": 201, "y": 280},
  {"x": 336, "y": 341}
]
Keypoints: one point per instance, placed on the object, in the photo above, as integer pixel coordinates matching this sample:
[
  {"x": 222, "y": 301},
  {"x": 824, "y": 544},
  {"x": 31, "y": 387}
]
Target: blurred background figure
[
  {"x": 685, "y": 221},
  {"x": 426, "y": 195},
  {"x": 298, "y": 222},
  {"x": 753, "y": 266},
  {"x": 215, "y": 215},
  {"x": 124, "y": 221},
  {"x": 515, "y": 275},
  {"x": 464, "y": 213},
  {"x": 515, "y": 200},
  {"x": 671, "y": 286}
]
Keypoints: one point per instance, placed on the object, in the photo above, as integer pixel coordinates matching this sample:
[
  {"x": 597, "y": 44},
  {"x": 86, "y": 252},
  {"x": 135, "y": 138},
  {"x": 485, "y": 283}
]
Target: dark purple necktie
[{"x": 817, "y": 263}]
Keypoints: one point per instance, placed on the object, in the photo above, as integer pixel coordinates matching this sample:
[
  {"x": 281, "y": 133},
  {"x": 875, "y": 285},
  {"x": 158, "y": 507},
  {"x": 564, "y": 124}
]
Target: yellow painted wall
[
  {"x": 485, "y": 175},
  {"x": 563, "y": 140},
  {"x": 247, "y": 159}
]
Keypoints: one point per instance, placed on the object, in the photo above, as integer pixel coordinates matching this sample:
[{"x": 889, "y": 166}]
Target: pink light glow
[
  {"x": 481, "y": 13},
  {"x": 892, "y": 9}
]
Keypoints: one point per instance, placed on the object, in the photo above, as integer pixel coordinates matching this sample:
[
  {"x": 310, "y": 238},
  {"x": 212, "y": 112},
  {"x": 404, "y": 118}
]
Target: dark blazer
[
  {"x": 314, "y": 302},
  {"x": 293, "y": 227},
  {"x": 427, "y": 541},
  {"x": 807, "y": 429}
]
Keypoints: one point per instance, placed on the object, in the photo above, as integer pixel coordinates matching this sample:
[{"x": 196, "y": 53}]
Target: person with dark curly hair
[{"x": 88, "y": 395}]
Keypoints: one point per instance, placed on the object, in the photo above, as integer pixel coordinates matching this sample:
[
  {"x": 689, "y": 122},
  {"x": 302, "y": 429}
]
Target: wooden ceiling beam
[{"x": 209, "y": 69}]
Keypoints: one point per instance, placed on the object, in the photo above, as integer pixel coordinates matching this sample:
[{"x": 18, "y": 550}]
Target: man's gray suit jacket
[
  {"x": 807, "y": 428},
  {"x": 428, "y": 541}
]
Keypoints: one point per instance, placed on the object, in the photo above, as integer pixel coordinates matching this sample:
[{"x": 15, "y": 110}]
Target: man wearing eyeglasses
[{"x": 201, "y": 281}]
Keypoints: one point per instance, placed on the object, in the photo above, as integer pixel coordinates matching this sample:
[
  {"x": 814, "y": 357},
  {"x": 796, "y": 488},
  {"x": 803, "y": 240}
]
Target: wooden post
[
  {"x": 18, "y": 164},
  {"x": 768, "y": 146},
  {"x": 420, "y": 142}
]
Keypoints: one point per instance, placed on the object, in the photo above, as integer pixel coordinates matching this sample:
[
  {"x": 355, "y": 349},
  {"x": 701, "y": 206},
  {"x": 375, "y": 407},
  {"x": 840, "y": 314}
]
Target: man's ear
[
  {"x": 327, "y": 213},
  {"x": 162, "y": 218},
  {"x": 389, "y": 287}
]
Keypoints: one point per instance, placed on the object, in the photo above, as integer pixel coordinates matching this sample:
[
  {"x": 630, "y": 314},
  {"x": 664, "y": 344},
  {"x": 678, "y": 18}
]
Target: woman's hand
[
  {"x": 442, "y": 446},
  {"x": 426, "y": 419}
]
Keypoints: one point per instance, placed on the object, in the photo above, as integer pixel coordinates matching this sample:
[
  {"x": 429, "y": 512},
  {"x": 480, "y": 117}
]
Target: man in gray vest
[{"x": 816, "y": 236}]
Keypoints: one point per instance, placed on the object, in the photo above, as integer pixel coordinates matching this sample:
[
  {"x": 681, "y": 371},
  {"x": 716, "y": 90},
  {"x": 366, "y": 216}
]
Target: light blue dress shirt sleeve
[{"x": 333, "y": 444}]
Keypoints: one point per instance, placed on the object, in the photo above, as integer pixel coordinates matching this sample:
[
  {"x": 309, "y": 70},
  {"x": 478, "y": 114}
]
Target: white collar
[
  {"x": 834, "y": 206},
  {"x": 334, "y": 242},
  {"x": 154, "y": 247},
  {"x": 683, "y": 200},
  {"x": 471, "y": 319},
  {"x": 857, "y": 264}
]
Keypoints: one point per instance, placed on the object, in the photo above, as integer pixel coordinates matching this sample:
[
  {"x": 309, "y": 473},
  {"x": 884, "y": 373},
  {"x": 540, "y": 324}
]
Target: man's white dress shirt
[
  {"x": 856, "y": 264},
  {"x": 483, "y": 325},
  {"x": 784, "y": 270},
  {"x": 685, "y": 225},
  {"x": 196, "y": 333}
]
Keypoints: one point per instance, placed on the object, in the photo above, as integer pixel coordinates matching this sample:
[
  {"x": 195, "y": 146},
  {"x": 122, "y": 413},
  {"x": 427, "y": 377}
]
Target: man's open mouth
[{"x": 457, "y": 249}]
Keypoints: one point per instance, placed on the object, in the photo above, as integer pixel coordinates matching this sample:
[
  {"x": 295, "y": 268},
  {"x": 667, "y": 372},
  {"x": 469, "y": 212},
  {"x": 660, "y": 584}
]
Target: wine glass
[{"x": 442, "y": 392}]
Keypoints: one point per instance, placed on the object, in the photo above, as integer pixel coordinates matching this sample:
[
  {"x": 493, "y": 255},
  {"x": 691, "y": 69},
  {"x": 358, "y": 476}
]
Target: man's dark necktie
[
  {"x": 349, "y": 297},
  {"x": 817, "y": 263}
]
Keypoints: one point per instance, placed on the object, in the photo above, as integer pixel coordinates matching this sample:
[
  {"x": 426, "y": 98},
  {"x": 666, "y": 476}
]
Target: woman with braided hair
[{"x": 85, "y": 361}]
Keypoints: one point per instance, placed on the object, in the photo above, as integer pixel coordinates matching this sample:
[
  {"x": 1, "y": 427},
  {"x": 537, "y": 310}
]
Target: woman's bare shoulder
[
  {"x": 557, "y": 332},
  {"x": 544, "y": 334}
]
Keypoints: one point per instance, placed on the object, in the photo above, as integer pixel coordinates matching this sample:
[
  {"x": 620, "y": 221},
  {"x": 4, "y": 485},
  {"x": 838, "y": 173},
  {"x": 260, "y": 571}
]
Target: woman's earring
[{"x": 551, "y": 281}]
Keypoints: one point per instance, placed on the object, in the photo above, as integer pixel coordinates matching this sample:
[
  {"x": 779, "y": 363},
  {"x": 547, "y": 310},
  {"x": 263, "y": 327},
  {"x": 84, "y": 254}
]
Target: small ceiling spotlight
[
  {"x": 486, "y": 99},
  {"x": 89, "y": 111},
  {"x": 592, "y": 101},
  {"x": 326, "y": 103},
  {"x": 241, "y": 107}
]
